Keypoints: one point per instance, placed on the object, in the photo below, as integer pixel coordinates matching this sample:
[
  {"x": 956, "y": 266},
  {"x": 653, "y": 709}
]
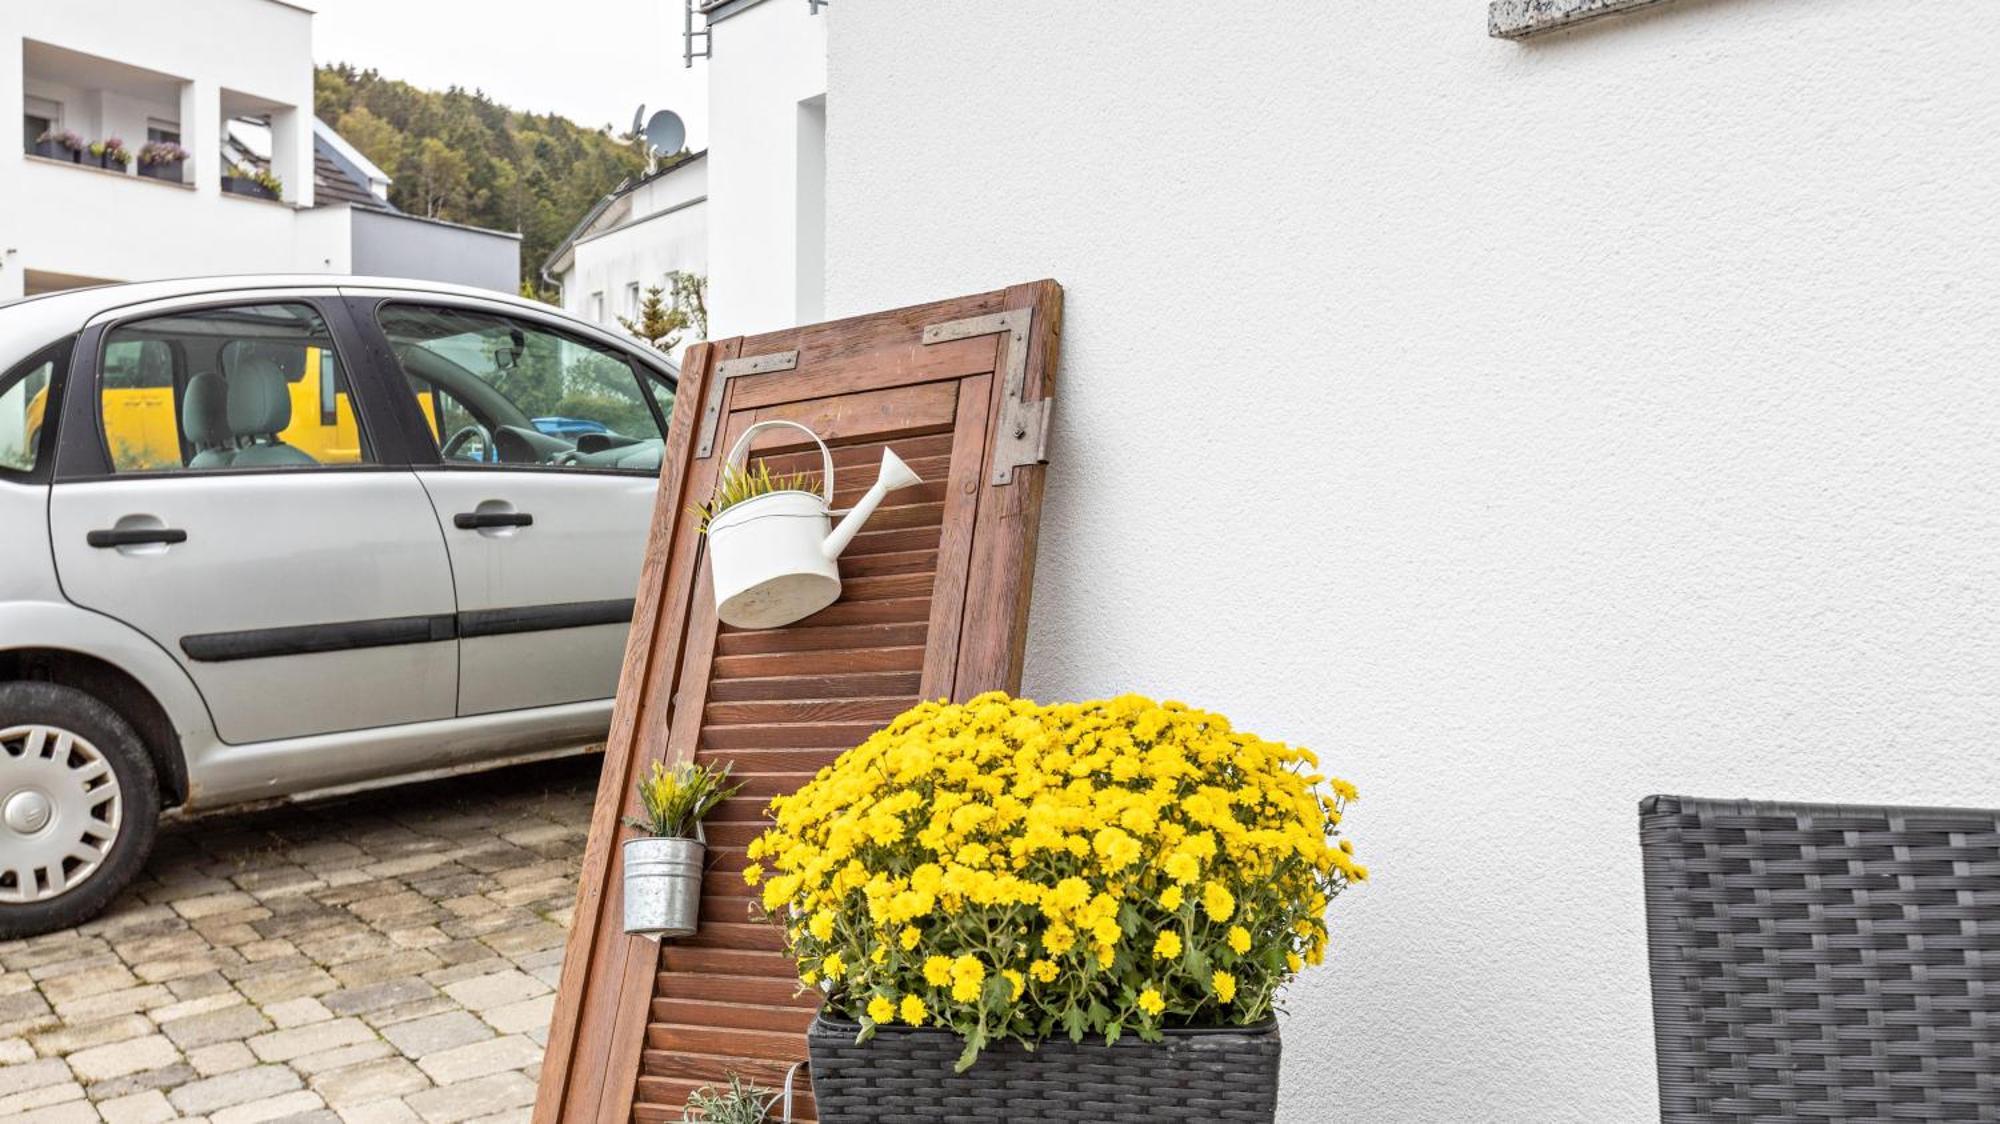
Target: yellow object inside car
[{"x": 142, "y": 427}]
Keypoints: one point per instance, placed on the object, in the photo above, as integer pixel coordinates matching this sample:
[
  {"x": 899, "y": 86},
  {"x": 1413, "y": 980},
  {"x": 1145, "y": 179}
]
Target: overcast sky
[{"x": 593, "y": 61}]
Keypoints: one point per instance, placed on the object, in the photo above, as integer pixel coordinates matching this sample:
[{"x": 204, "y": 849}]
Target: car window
[
  {"x": 24, "y": 400},
  {"x": 496, "y": 390},
  {"x": 245, "y": 387}
]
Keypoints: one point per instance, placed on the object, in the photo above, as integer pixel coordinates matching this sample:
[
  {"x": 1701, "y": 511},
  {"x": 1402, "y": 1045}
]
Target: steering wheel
[{"x": 459, "y": 440}]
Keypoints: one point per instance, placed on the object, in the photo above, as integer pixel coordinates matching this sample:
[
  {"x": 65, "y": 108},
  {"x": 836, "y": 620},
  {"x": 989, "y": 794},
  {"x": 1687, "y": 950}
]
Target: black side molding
[
  {"x": 342, "y": 636},
  {"x": 543, "y": 618},
  {"x": 306, "y": 639}
]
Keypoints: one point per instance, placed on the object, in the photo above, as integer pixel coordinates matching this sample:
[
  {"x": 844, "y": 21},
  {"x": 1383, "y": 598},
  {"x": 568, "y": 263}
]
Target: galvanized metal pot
[{"x": 663, "y": 885}]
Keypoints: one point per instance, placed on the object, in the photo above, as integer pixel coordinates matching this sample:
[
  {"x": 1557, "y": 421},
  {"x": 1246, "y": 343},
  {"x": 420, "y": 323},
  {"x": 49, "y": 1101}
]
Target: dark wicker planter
[
  {"x": 903, "y": 1076},
  {"x": 252, "y": 188},
  {"x": 52, "y": 151},
  {"x": 169, "y": 170}
]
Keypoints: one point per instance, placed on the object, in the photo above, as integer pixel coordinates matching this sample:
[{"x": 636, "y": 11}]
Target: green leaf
[{"x": 1113, "y": 1031}]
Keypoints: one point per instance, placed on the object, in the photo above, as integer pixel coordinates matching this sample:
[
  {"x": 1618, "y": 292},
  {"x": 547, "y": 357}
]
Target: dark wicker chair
[{"x": 1823, "y": 962}]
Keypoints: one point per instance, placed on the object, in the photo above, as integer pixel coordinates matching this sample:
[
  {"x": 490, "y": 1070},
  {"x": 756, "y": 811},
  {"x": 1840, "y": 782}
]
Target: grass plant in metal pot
[
  {"x": 663, "y": 867},
  {"x": 1063, "y": 913}
]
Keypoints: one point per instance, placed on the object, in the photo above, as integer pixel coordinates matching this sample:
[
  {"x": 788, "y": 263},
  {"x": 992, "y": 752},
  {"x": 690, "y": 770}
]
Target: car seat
[
  {"x": 260, "y": 407},
  {"x": 205, "y": 421}
]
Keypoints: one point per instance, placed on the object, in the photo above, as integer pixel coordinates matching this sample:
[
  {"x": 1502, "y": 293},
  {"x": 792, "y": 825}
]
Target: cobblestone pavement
[{"x": 386, "y": 957}]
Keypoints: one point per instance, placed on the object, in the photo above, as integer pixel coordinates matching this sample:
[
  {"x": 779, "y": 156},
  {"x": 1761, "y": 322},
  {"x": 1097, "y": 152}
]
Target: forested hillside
[{"x": 458, "y": 155}]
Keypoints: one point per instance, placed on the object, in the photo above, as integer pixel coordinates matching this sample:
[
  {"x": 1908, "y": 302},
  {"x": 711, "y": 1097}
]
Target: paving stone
[
  {"x": 283, "y": 1045},
  {"x": 496, "y": 989},
  {"x": 472, "y": 1099},
  {"x": 395, "y": 966},
  {"x": 65, "y": 987},
  {"x": 310, "y": 1065},
  {"x": 149, "y": 1107},
  {"x": 229, "y": 1024},
  {"x": 33, "y": 1075},
  {"x": 212, "y": 904},
  {"x": 523, "y": 1017},
  {"x": 369, "y": 1081},
  {"x": 377, "y": 996},
  {"x": 101, "y": 1063},
  {"x": 14, "y": 1051},
  {"x": 20, "y": 1103},
  {"x": 188, "y": 1008},
  {"x": 84, "y": 1036},
  {"x": 222, "y": 1057},
  {"x": 522, "y": 1115},
  {"x": 297, "y": 1012},
  {"x": 424, "y": 1037},
  {"x": 124, "y": 1001},
  {"x": 389, "y": 1111},
  {"x": 280, "y": 1107},
  {"x": 213, "y": 1094},
  {"x": 165, "y": 1077},
  {"x": 73, "y": 1112},
  {"x": 463, "y": 1063},
  {"x": 276, "y": 987}
]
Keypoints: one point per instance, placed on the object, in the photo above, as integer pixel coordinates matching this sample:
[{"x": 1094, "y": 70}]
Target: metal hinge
[
  {"x": 1021, "y": 436},
  {"x": 711, "y": 410}
]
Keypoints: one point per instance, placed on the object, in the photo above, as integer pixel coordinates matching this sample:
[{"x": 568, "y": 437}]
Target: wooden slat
[
  {"x": 867, "y": 684},
  {"x": 875, "y": 711},
  {"x": 639, "y": 1026}
]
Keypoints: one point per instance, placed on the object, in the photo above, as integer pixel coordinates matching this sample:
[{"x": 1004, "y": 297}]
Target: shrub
[
  {"x": 1010, "y": 870},
  {"x": 743, "y": 1103}
]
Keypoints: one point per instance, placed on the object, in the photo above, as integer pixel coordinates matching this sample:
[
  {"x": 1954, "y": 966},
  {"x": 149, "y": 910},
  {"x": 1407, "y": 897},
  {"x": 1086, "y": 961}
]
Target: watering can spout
[{"x": 895, "y": 474}]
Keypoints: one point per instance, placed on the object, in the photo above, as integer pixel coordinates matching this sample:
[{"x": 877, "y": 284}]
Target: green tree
[{"x": 659, "y": 324}]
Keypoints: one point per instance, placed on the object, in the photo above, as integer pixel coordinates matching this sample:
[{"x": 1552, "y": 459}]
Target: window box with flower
[
  {"x": 60, "y": 144},
  {"x": 110, "y": 154},
  {"x": 259, "y": 183},
  {"x": 162, "y": 160},
  {"x": 1065, "y": 913}
]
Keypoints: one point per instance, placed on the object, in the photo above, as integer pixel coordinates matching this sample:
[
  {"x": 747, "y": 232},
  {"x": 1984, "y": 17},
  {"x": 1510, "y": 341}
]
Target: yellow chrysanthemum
[
  {"x": 881, "y": 1010},
  {"x": 1058, "y": 845},
  {"x": 1217, "y": 901}
]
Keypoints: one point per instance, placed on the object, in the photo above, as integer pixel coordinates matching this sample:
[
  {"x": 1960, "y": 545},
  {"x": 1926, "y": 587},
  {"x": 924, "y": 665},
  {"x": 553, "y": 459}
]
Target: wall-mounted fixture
[{"x": 1522, "y": 19}]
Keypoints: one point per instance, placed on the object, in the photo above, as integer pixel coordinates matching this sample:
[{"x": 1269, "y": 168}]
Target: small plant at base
[
  {"x": 678, "y": 799},
  {"x": 740, "y": 484},
  {"x": 744, "y": 1103}
]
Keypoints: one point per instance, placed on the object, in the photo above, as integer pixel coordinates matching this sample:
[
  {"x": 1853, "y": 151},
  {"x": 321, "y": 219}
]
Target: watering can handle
[{"x": 742, "y": 446}]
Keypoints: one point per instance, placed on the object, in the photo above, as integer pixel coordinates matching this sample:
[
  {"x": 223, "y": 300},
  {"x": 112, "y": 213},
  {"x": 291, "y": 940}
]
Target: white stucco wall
[
  {"x": 769, "y": 61},
  {"x": 1528, "y": 428},
  {"x": 663, "y": 228}
]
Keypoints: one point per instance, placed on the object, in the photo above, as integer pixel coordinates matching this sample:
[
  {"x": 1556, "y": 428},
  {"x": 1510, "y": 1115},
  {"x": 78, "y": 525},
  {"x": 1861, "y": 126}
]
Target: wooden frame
[{"x": 935, "y": 604}]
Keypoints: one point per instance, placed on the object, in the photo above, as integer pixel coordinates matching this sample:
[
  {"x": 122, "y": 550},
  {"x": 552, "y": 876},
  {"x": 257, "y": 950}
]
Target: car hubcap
[{"x": 59, "y": 812}]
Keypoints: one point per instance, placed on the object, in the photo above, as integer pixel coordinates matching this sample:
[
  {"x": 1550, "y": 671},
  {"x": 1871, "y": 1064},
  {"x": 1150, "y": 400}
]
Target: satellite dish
[
  {"x": 638, "y": 118},
  {"x": 665, "y": 133}
]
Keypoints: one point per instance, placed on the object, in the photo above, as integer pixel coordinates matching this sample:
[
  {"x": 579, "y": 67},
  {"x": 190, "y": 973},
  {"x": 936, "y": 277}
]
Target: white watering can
[{"x": 773, "y": 558}]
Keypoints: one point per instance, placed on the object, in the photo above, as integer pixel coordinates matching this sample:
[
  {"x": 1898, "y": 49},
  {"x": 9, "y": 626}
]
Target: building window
[
  {"x": 597, "y": 306},
  {"x": 632, "y": 300},
  {"x": 163, "y": 132},
  {"x": 40, "y": 115}
]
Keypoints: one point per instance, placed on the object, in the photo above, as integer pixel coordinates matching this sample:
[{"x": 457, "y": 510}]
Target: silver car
[{"x": 266, "y": 537}]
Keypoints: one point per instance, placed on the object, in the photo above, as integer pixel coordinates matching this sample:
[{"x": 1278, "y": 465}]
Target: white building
[
  {"x": 638, "y": 234},
  {"x": 213, "y": 76},
  {"x": 751, "y": 214},
  {"x": 1529, "y": 427}
]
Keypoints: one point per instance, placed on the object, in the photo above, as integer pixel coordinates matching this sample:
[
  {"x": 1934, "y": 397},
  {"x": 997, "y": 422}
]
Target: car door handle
[
  {"x": 474, "y": 520},
  {"x": 135, "y": 536}
]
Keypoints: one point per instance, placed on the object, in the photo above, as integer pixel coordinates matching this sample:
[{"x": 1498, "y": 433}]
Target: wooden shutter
[{"x": 934, "y": 604}]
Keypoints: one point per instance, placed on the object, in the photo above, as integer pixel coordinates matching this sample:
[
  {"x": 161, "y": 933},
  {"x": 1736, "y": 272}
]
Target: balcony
[{"x": 117, "y": 118}]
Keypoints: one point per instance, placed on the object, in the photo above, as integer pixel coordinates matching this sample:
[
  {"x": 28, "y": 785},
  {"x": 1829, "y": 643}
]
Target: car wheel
[{"x": 79, "y": 804}]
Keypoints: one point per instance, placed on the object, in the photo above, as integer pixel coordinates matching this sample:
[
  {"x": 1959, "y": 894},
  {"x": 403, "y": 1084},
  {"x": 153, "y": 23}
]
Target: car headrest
[
  {"x": 260, "y": 400},
  {"x": 205, "y": 411}
]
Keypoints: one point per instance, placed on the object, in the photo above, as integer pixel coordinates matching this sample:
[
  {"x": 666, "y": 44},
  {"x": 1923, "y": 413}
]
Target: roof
[
  {"x": 553, "y": 263},
  {"x": 344, "y": 173},
  {"x": 331, "y": 185}
]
